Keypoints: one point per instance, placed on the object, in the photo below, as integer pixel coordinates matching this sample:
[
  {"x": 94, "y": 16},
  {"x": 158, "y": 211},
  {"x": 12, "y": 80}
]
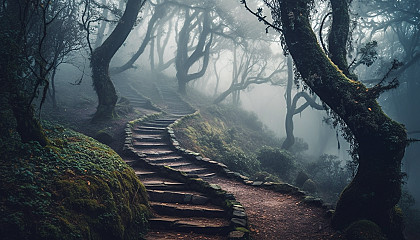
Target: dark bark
[
  {"x": 381, "y": 142},
  {"x": 291, "y": 106},
  {"x": 290, "y": 138},
  {"x": 101, "y": 57},
  {"x": 14, "y": 72},
  {"x": 160, "y": 11},
  {"x": 53, "y": 90},
  {"x": 337, "y": 39},
  {"x": 183, "y": 62}
]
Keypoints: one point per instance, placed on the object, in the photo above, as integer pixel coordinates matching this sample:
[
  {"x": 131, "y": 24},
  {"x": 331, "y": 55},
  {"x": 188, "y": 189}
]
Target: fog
[{"x": 246, "y": 51}]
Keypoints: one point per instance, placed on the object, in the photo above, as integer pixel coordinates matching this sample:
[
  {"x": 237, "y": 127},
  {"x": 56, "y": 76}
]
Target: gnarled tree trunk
[
  {"x": 101, "y": 57},
  {"x": 17, "y": 112},
  {"x": 183, "y": 62},
  {"x": 381, "y": 142}
]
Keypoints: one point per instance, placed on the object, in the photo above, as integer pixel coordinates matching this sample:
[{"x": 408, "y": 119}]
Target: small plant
[
  {"x": 330, "y": 176},
  {"x": 238, "y": 161},
  {"x": 277, "y": 161},
  {"x": 411, "y": 215}
]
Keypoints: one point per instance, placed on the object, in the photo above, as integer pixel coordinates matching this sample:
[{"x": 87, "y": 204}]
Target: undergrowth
[
  {"x": 75, "y": 188},
  {"x": 226, "y": 134}
]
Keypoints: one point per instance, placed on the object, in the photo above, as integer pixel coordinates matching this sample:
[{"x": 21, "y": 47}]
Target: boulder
[{"x": 309, "y": 186}]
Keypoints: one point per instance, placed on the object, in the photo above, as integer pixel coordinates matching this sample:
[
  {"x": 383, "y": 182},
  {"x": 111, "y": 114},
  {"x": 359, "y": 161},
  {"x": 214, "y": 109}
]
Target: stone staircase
[
  {"x": 176, "y": 207},
  {"x": 181, "y": 210},
  {"x": 136, "y": 99}
]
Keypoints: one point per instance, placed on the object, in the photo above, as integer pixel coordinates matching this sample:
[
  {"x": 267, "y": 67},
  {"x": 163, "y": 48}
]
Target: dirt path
[{"x": 273, "y": 215}]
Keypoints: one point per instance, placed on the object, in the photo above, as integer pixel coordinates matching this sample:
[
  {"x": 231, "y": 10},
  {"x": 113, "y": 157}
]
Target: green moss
[
  {"x": 364, "y": 230},
  {"x": 76, "y": 188},
  {"x": 226, "y": 134},
  {"x": 242, "y": 229}
]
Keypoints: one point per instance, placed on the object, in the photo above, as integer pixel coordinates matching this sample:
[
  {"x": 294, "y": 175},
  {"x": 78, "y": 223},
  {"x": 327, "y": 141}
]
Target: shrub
[
  {"x": 330, "y": 176},
  {"x": 277, "y": 161},
  {"x": 364, "y": 230},
  {"x": 301, "y": 178},
  {"x": 411, "y": 215},
  {"x": 238, "y": 161},
  {"x": 265, "y": 177}
]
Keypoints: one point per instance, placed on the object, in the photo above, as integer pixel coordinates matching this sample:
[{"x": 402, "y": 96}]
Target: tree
[
  {"x": 291, "y": 106},
  {"x": 379, "y": 142},
  {"x": 30, "y": 51},
  {"x": 101, "y": 57},
  {"x": 160, "y": 11},
  {"x": 63, "y": 39},
  {"x": 160, "y": 42},
  {"x": 252, "y": 67},
  {"x": 184, "y": 61}
]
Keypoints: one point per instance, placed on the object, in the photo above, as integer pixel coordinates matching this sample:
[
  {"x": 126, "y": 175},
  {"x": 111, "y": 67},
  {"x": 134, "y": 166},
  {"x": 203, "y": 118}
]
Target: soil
[{"x": 273, "y": 215}]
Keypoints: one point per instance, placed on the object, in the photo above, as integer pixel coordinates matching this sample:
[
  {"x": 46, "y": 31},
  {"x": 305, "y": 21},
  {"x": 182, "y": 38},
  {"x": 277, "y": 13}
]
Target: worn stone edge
[
  {"x": 149, "y": 104},
  {"x": 224, "y": 170},
  {"x": 238, "y": 219}
]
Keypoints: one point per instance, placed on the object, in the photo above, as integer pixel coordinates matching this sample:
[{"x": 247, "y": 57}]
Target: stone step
[
  {"x": 144, "y": 173},
  {"x": 146, "y": 145},
  {"x": 193, "y": 170},
  {"x": 161, "y": 234},
  {"x": 141, "y": 127},
  {"x": 175, "y": 164},
  {"x": 188, "y": 210},
  {"x": 206, "y": 175},
  {"x": 164, "y": 120},
  {"x": 156, "y": 152},
  {"x": 162, "y": 185},
  {"x": 158, "y": 159},
  {"x": 155, "y": 124},
  {"x": 177, "y": 197},
  {"x": 147, "y": 132},
  {"x": 192, "y": 224},
  {"x": 147, "y": 138}
]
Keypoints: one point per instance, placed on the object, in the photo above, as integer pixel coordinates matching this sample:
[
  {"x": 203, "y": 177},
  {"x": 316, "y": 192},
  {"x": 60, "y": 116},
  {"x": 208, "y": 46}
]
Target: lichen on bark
[{"x": 381, "y": 142}]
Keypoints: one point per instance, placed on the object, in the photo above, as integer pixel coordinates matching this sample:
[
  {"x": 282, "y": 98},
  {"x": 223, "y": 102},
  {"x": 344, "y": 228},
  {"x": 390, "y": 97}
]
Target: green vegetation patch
[
  {"x": 75, "y": 188},
  {"x": 226, "y": 134},
  {"x": 364, "y": 230}
]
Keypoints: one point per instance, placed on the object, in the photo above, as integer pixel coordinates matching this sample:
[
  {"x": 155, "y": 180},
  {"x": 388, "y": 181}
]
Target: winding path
[{"x": 184, "y": 212}]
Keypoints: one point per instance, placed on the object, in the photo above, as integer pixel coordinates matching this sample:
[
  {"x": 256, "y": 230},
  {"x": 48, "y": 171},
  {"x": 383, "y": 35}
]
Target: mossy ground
[
  {"x": 227, "y": 134},
  {"x": 75, "y": 188}
]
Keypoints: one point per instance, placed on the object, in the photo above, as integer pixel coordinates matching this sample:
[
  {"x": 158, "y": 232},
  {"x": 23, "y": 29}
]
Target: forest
[{"x": 210, "y": 119}]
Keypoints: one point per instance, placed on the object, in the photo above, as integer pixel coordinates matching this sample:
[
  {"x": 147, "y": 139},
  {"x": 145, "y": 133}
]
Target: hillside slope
[{"x": 75, "y": 188}]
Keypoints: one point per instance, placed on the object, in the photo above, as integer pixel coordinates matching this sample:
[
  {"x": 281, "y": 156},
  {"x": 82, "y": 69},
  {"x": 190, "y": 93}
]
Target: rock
[
  {"x": 199, "y": 199},
  {"x": 104, "y": 136},
  {"x": 309, "y": 186},
  {"x": 257, "y": 183},
  {"x": 301, "y": 179},
  {"x": 238, "y": 222},
  {"x": 239, "y": 214},
  {"x": 236, "y": 235},
  {"x": 284, "y": 188},
  {"x": 215, "y": 186},
  {"x": 364, "y": 229}
]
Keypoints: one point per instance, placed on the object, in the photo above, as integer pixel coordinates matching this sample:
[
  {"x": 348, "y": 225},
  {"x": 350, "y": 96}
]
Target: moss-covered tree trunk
[
  {"x": 376, "y": 188},
  {"x": 101, "y": 57},
  {"x": 15, "y": 103}
]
